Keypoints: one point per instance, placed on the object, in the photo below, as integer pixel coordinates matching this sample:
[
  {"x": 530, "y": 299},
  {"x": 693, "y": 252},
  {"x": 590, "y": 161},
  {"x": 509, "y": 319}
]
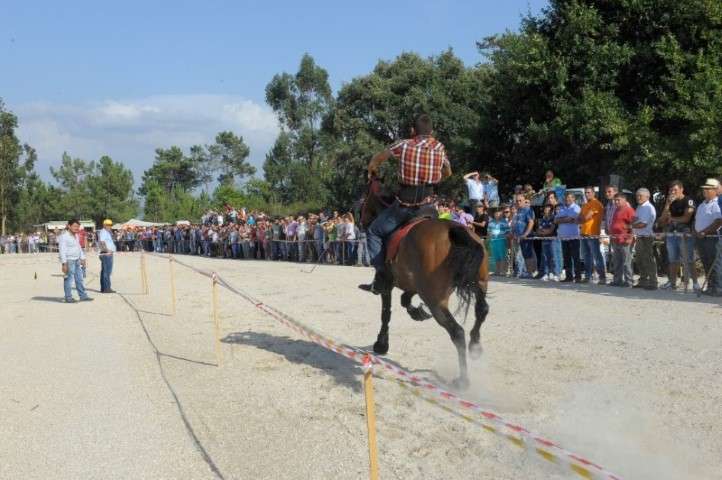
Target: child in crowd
[{"x": 498, "y": 232}]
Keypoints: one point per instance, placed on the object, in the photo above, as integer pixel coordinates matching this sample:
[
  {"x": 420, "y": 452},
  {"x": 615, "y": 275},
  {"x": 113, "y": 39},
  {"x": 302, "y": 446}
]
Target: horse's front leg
[
  {"x": 481, "y": 309},
  {"x": 382, "y": 342}
]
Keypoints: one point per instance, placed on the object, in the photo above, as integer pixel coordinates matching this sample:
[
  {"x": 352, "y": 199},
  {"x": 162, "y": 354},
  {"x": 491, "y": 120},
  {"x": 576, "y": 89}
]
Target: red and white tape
[{"x": 520, "y": 436}]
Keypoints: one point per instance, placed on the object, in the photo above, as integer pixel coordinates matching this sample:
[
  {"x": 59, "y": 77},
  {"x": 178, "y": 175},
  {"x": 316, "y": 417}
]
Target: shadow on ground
[{"x": 342, "y": 370}]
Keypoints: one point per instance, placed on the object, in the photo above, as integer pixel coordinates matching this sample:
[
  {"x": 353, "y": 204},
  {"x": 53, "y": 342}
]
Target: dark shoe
[
  {"x": 615, "y": 284},
  {"x": 110, "y": 290},
  {"x": 380, "y": 283},
  {"x": 538, "y": 276},
  {"x": 602, "y": 281},
  {"x": 626, "y": 285},
  {"x": 86, "y": 299},
  {"x": 70, "y": 300},
  {"x": 581, "y": 280},
  {"x": 567, "y": 280},
  {"x": 368, "y": 287},
  {"x": 650, "y": 287}
]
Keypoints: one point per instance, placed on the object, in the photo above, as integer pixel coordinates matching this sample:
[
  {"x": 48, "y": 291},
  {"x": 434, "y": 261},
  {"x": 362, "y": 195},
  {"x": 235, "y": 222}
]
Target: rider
[{"x": 422, "y": 164}]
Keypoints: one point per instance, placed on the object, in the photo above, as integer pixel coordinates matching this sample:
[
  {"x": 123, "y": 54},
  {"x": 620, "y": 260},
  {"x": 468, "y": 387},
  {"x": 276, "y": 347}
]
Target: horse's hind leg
[
  {"x": 481, "y": 309},
  {"x": 416, "y": 313},
  {"x": 444, "y": 317},
  {"x": 382, "y": 341}
]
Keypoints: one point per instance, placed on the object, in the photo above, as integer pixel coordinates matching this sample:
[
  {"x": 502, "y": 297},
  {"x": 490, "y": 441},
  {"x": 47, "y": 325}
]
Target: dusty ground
[{"x": 118, "y": 388}]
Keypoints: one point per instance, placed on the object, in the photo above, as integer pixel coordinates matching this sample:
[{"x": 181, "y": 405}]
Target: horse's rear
[{"x": 434, "y": 260}]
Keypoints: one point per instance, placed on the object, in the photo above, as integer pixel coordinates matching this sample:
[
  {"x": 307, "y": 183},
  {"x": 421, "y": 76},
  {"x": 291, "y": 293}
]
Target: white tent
[{"x": 134, "y": 222}]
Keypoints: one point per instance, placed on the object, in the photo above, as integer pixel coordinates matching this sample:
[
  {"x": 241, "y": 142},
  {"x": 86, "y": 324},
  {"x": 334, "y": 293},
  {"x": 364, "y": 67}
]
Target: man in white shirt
[
  {"x": 72, "y": 259},
  {"x": 107, "y": 249},
  {"x": 475, "y": 190},
  {"x": 707, "y": 224},
  {"x": 642, "y": 223}
]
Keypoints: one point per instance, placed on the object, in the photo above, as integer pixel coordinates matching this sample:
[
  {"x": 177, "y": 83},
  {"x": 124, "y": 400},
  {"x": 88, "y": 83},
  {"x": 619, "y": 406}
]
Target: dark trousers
[
  {"x": 106, "y": 268},
  {"x": 572, "y": 262},
  {"x": 707, "y": 249},
  {"x": 646, "y": 263}
]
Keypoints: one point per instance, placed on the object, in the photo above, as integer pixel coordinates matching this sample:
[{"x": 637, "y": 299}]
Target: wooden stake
[
  {"x": 216, "y": 321},
  {"x": 144, "y": 272},
  {"x": 172, "y": 285},
  {"x": 371, "y": 420}
]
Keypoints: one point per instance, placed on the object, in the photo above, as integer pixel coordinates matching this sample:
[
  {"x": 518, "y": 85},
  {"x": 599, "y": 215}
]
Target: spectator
[
  {"x": 590, "y": 222},
  {"x": 474, "y": 189},
  {"x": 465, "y": 219},
  {"x": 621, "y": 242},
  {"x": 528, "y": 191},
  {"x": 107, "y": 249},
  {"x": 549, "y": 267},
  {"x": 642, "y": 223},
  {"x": 522, "y": 226},
  {"x": 707, "y": 223},
  {"x": 550, "y": 181},
  {"x": 491, "y": 190},
  {"x": 499, "y": 231},
  {"x": 677, "y": 217},
  {"x": 481, "y": 221},
  {"x": 72, "y": 260},
  {"x": 568, "y": 232}
]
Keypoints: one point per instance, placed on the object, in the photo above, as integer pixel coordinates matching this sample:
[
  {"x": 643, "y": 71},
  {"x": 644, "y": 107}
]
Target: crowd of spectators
[
  {"x": 580, "y": 239},
  {"x": 553, "y": 234}
]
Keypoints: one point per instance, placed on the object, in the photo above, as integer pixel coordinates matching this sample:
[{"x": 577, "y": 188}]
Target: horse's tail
[{"x": 465, "y": 260}]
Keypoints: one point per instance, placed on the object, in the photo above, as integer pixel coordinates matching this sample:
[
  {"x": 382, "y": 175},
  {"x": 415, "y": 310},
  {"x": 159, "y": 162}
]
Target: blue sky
[{"x": 95, "y": 78}]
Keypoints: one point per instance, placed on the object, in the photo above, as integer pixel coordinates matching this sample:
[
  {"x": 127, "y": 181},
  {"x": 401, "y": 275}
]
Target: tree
[
  {"x": 301, "y": 101},
  {"x": 172, "y": 170},
  {"x": 203, "y": 164},
  {"x": 591, "y": 87},
  {"x": 229, "y": 153},
  {"x": 16, "y": 162},
  {"x": 374, "y": 110},
  {"x": 110, "y": 189},
  {"x": 72, "y": 177}
]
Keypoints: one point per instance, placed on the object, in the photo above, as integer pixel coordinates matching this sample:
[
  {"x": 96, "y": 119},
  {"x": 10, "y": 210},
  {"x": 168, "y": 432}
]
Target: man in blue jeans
[
  {"x": 72, "y": 260},
  {"x": 422, "y": 164},
  {"x": 107, "y": 249}
]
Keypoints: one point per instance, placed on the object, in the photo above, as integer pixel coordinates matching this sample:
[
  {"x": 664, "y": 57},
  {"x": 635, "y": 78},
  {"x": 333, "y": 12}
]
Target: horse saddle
[{"x": 392, "y": 248}]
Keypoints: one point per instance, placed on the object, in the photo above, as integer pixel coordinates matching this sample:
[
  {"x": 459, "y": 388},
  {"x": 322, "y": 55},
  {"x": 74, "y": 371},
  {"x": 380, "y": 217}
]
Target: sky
[{"x": 123, "y": 78}]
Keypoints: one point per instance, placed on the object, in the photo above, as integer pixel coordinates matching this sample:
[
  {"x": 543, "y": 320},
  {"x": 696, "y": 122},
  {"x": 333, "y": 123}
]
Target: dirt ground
[{"x": 120, "y": 388}]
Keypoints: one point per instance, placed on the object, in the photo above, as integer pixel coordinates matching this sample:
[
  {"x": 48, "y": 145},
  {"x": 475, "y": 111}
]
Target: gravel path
[{"x": 118, "y": 388}]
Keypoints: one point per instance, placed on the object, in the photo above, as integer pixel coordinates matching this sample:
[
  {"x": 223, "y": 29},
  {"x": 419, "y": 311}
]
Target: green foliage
[
  {"x": 295, "y": 167},
  {"x": 172, "y": 170},
  {"x": 374, "y": 110},
  {"x": 229, "y": 153},
  {"x": 16, "y": 163},
  {"x": 592, "y": 87}
]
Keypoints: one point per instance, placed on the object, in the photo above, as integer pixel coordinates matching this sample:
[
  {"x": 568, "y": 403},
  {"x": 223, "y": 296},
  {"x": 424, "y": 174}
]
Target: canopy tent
[
  {"x": 61, "y": 224},
  {"x": 134, "y": 222}
]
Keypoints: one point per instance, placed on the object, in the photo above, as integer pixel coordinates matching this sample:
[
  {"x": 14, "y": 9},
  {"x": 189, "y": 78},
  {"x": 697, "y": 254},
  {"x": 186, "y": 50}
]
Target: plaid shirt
[{"x": 420, "y": 159}]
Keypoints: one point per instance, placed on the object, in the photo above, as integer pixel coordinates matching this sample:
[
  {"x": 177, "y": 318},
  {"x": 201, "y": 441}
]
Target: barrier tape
[{"x": 492, "y": 422}]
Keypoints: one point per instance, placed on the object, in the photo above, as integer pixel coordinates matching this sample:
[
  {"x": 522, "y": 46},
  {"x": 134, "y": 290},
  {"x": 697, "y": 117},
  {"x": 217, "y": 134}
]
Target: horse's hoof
[
  {"x": 475, "y": 351},
  {"x": 419, "y": 314},
  {"x": 460, "y": 384},
  {"x": 381, "y": 348}
]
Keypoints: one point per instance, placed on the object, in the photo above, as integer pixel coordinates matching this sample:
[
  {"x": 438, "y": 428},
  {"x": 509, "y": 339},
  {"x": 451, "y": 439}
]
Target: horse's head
[{"x": 373, "y": 201}]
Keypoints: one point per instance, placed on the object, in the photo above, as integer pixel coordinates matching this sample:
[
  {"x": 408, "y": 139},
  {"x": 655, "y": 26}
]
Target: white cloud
[{"x": 129, "y": 130}]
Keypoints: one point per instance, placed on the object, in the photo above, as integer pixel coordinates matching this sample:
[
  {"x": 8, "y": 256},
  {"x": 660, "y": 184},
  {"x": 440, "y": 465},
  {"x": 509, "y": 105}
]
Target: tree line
[{"x": 587, "y": 88}]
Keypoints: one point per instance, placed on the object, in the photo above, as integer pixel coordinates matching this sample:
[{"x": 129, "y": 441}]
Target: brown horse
[{"x": 436, "y": 258}]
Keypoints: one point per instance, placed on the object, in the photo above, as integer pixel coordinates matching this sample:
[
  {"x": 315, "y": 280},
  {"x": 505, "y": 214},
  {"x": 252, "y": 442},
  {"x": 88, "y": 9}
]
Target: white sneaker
[
  {"x": 555, "y": 278},
  {"x": 545, "y": 278}
]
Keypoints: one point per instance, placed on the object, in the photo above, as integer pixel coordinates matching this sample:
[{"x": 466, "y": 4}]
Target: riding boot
[{"x": 381, "y": 282}]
